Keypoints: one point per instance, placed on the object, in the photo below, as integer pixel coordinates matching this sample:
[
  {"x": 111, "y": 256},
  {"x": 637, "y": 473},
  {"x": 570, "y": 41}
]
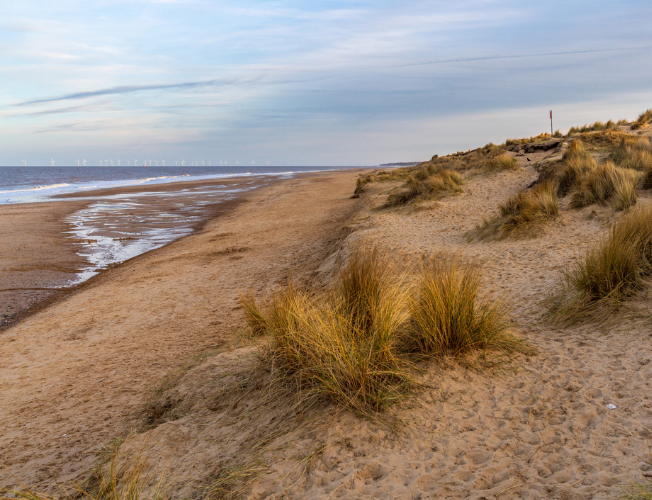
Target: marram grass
[
  {"x": 448, "y": 316},
  {"x": 522, "y": 214},
  {"x": 125, "y": 479},
  {"x": 609, "y": 272},
  {"x": 351, "y": 345}
]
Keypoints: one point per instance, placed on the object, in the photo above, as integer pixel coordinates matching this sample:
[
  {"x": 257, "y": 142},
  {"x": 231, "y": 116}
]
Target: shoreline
[
  {"x": 27, "y": 289},
  {"x": 124, "y": 330}
]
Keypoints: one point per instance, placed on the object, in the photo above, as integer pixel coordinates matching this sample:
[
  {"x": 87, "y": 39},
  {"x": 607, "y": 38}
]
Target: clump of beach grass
[
  {"x": 643, "y": 120},
  {"x": 604, "y": 184},
  {"x": 352, "y": 344},
  {"x": 425, "y": 186},
  {"x": 503, "y": 161},
  {"x": 343, "y": 346},
  {"x": 633, "y": 152},
  {"x": 610, "y": 272},
  {"x": 521, "y": 214},
  {"x": 448, "y": 316}
]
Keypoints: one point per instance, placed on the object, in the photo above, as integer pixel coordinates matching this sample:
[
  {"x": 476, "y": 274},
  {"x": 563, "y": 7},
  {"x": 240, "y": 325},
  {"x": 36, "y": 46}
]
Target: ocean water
[
  {"x": 113, "y": 228},
  {"x": 34, "y": 184}
]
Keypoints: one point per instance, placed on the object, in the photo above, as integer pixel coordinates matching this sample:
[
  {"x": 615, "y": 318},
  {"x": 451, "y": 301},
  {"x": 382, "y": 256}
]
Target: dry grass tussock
[
  {"x": 610, "y": 272},
  {"x": 341, "y": 346},
  {"x": 351, "y": 344},
  {"x": 579, "y": 175},
  {"x": 448, "y": 317},
  {"x": 417, "y": 187},
  {"x": 125, "y": 479},
  {"x": 633, "y": 152},
  {"x": 604, "y": 184},
  {"x": 500, "y": 162},
  {"x": 521, "y": 214},
  {"x": 643, "y": 120}
]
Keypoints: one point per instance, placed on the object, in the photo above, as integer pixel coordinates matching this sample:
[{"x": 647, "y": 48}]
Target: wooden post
[{"x": 551, "y": 123}]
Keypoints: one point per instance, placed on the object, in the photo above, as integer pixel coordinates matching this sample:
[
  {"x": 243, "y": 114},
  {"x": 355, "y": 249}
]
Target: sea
[{"x": 116, "y": 227}]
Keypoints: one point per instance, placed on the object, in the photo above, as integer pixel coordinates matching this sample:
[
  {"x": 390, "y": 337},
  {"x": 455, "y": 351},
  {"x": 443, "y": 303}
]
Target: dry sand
[{"x": 536, "y": 428}]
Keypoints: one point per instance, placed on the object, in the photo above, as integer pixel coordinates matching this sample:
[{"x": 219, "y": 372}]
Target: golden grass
[
  {"x": 605, "y": 183},
  {"x": 349, "y": 344},
  {"x": 500, "y": 162},
  {"x": 642, "y": 120},
  {"x": 343, "y": 346},
  {"x": 609, "y": 272},
  {"x": 633, "y": 152},
  {"x": 527, "y": 140},
  {"x": 521, "y": 214},
  {"x": 425, "y": 185},
  {"x": 448, "y": 317},
  {"x": 121, "y": 480},
  {"x": 597, "y": 126}
]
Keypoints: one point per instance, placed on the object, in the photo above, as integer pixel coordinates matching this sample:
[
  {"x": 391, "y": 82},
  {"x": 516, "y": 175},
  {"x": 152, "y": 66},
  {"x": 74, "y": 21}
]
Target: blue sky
[{"x": 309, "y": 83}]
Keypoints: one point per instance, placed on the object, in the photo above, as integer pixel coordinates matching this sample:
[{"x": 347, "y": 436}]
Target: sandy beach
[
  {"x": 568, "y": 422},
  {"x": 73, "y": 373}
]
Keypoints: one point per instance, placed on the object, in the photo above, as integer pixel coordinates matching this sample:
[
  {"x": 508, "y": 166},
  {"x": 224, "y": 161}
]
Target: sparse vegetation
[
  {"x": 522, "y": 213},
  {"x": 541, "y": 137},
  {"x": 611, "y": 271},
  {"x": 643, "y": 120},
  {"x": 426, "y": 186},
  {"x": 597, "y": 126},
  {"x": 125, "y": 479},
  {"x": 500, "y": 162},
  {"x": 449, "y": 317},
  {"x": 348, "y": 344}
]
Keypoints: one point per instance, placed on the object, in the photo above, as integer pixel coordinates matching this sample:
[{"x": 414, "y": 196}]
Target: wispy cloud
[{"x": 126, "y": 89}]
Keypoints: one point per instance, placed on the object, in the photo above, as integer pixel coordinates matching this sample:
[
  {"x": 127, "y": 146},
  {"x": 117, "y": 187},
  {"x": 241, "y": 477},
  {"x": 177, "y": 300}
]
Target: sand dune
[{"x": 536, "y": 427}]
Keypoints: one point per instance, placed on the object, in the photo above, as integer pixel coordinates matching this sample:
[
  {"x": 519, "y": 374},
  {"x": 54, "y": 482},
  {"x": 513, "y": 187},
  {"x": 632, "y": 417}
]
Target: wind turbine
[
  {"x": 237, "y": 163},
  {"x": 183, "y": 163},
  {"x": 25, "y": 162},
  {"x": 134, "y": 163},
  {"x": 84, "y": 162},
  {"x": 52, "y": 162},
  {"x": 209, "y": 163},
  {"x": 101, "y": 163},
  {"x": 77, "y": 162},
  {"x": 150, "y": 162},
  {"x": 119, "y": 163},
  {"x": 156, "y": 161},
  {"x": 163, "y": 161},
  {"x": 203, "y": 163},
  {"x": 268, "y": 163},
  {"x": 253, "y": 163},
  {"x": 111, "y": 163}
]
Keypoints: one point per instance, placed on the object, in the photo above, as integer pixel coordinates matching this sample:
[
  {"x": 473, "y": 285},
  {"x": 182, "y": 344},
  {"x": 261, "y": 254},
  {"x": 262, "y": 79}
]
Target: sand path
[{"x": 71, "y": 375}]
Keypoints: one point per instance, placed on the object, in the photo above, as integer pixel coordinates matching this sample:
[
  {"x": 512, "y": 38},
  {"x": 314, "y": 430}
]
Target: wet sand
[{"x": 40, "y": 259}]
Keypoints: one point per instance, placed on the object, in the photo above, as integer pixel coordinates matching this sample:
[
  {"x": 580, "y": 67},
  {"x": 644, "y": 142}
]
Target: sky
[{"x": 299, "y": 82}]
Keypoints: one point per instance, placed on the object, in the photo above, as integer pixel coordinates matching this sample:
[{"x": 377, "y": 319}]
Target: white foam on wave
[{"x": 36, "y": 188}]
